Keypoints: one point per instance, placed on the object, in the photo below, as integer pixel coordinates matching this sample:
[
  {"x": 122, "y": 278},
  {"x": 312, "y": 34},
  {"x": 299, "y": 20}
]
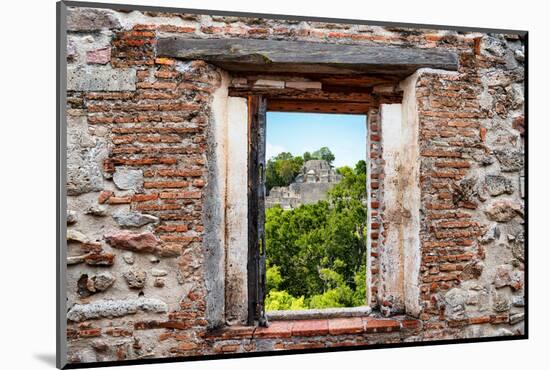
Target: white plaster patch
[{"x": 237, "y": 211}]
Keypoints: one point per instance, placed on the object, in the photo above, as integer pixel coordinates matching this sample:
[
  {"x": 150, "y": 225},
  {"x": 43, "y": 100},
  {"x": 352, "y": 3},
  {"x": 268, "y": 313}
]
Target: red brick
[
  {"x": 165, "y": 61},
  {"x": 172, "y": 228},
  {"x": 499, "y": 319},
  {"x": 410, "y": 324},
  {"x": 120, "y": 200},
  {"x": 310, "y": 327},
  {"x": 440, "y": 153},
  {"x": 89, "y": 333},
  {"x": 276, "y": 329},
  {"x": 454, "y": 164},
  {"x": 457, "y": 224},
  {"x": 104, "y": 196},
  {"x": 144, "y": 197},
  {"x": 181, "y": 195},
  {"x": 479, "y": 320},
  {"x": 482, "y": 133},
  {"x": 381, "y": 326},
  {"x": 166, "y": 184},
  {"x": 187, "y": 346},
  {"x": 351, "y": 325},
  {"x": 119, "y": 332}
]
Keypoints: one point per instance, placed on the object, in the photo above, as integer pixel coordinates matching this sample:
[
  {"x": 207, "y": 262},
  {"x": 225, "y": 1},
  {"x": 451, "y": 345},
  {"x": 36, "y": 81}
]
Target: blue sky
[{"x": 344, "y": 134}]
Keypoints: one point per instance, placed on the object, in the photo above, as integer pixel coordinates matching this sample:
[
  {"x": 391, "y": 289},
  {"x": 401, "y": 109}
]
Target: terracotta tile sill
[{"x": 318, "y": 327}]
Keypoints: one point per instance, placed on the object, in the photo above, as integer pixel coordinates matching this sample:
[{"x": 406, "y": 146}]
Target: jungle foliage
[{"x": 316, "y": 252}]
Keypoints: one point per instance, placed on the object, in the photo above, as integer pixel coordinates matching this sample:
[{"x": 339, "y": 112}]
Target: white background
[{"x": 27, "y": 182}]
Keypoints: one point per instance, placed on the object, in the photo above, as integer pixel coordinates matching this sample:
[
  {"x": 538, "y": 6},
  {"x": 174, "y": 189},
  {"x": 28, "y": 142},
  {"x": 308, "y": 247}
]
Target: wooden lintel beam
[
  {"x": 309, "y": 106},
  {"x": 279, "y": 56}
]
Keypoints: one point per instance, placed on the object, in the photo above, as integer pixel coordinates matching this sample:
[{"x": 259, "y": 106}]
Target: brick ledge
[{"x": 318, "y": 327}]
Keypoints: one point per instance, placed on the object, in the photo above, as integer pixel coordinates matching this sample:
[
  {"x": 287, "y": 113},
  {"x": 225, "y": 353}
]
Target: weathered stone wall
[
  {"x": 471, "y": 139},
  {"x": 140, "y": 168}
]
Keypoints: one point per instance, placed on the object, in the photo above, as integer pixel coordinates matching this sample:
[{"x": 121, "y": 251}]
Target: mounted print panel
[{"x": 237, "y": 184}]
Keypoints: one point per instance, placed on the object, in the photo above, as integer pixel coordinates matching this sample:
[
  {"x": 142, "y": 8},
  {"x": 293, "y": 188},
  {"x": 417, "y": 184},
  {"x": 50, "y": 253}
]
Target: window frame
[{"x": 258, "y": 106}]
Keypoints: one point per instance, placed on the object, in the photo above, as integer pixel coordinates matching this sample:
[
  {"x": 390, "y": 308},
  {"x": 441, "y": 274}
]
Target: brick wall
[
  {"x": 139, "y": 127},
  {"x": 375, "y": 210}
]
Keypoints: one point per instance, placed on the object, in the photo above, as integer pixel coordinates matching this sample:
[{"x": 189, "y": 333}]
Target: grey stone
[
  {"x": 518, "y": 301},
  {"x": 491, "y": 235},
  {"x": 510, "y": 160},
  {"x": 504, "y": 210},
  {"x": 500, "y": 303},
  {"x": 100, "y": 345},
  {"x": 83, "y": 355},
  {"x": 76, "y": 236},
  {"x": 516, "y": 95},
  {"x": 159, "y": 272},
  {"x": 518, "y": 248},
  {"x": 135, "y": 278},
  {"x": 100, "y": 78},
  {"x": 72, "y": 217},
  {"x": 493, "y": 45},
  {"x": 134, "y": 219},
  {"x": 483, "y": 159},
  {"x": 71, "y": 50},
  {"x": 455, "y": 301},
  {"x": 91, "y": 19},
  {"x": 96, "y": 210},
  {"x": 128, "y": 257},
  {"x": 85, "y": 156},
  {"x": 103, "y": 281},
  {"x": 466, "y": 191},
  {"x": 503, "y": 332},
  {"x": 517, "y": 317},
  {"x": 520, "y": 56},
  {"x": 88, "y": 286},
  {"x": 154, "y": 259},
  {"x": 159, "y": 282},
  {"x": 497, "y": 185},
  {"x": 115, "y": 308},
  {"x": 503, "y": 276},
  {"x": 75, "y": 260},
  {"x": 128, "y": 179}
]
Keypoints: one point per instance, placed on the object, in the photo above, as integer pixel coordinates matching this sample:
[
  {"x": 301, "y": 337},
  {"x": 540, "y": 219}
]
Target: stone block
[
  {"x": 85, "y": 155},
  {"x": 100, "y": 78},
  {"x": 99, "y": 56},
  {"x": 504, "y": 210},
  {"x": 497, "y": 185},
  {"x": 128, "y": 179},
  {"x": 510, "y": 160},
  {"x": 115, "y": 308},
  {"x": 90, "y": 19},
  {"x": 134, "y": 219}
]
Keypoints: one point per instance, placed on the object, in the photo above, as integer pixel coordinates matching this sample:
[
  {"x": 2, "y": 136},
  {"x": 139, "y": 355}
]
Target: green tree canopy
[
  {"x": 323, "y": 153},
  {"x": 282, "y": 169},
  {"x": 316, "y": 252}
]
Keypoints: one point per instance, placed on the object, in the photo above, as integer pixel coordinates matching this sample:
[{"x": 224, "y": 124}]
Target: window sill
[
  {"x": 328, "y": 313},
  {"x": 318, "y": 327}
]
